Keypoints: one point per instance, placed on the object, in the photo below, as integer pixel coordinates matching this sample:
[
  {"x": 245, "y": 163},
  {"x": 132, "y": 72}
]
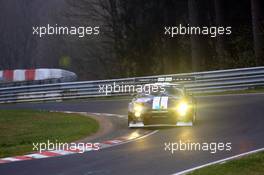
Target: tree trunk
[
  {"x": 220, "y": 40},
  {"x": 258, "y": 27},
  {"x": 199, "y": 44}
]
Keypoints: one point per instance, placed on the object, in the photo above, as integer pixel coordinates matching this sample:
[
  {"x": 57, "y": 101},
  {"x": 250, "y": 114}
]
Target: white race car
[{"x": 172, "y": 106}]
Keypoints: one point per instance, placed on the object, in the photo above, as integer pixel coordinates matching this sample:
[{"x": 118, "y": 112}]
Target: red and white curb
[
  {"x": 102, "y": 145},
  {"x": 55, "y": 153}
]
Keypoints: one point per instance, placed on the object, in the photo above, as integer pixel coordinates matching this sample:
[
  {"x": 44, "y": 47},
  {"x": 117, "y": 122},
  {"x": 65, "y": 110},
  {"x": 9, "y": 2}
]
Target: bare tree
[
  {"x": 221, "y": 51},
  {"x": 17, "y": 43},
  {"x": 199, "y": 44},
  {"x": 258, "y": 29},
  {"x": 95, "y": 55}
]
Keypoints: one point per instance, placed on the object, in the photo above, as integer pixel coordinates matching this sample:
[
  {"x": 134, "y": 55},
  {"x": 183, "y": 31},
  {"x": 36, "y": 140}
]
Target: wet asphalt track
[{"x": 236, "y": 119}]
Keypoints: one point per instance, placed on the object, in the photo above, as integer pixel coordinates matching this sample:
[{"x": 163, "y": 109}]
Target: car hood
[{"x": 158, "y": 102}]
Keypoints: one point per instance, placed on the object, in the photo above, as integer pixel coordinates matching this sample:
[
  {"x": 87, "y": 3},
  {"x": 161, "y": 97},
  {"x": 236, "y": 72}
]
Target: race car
[{"x": 171, "y": 106}]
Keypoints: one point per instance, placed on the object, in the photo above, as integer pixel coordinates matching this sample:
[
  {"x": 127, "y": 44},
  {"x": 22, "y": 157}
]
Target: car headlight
[
  {"x": 138, "y": 108},
  {"x": 182, "y": 108}
]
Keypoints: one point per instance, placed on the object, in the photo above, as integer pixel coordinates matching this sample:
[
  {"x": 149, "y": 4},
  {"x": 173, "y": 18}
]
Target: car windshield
[
  {"x": 173, "y": 91},
  {"x": 169, "y": 90}
]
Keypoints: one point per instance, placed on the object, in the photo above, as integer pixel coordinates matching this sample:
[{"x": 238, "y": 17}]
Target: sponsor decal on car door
[
  {"x": 164, "y": 103},
  {"x": 160, "y": 103}
]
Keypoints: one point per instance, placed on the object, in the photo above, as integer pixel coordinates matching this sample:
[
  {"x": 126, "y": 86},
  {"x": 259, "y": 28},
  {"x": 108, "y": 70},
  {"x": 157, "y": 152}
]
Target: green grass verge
[
  {"x": 250, "y": 165},
  {"x": 20, "y": 128}
]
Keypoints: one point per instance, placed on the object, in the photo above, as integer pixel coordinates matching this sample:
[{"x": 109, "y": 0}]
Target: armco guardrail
[{"x": 205, "y": 82}]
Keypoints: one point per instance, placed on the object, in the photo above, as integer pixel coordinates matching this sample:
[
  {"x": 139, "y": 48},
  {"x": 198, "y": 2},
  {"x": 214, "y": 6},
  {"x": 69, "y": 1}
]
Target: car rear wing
[{"x": 168, "y": 79}]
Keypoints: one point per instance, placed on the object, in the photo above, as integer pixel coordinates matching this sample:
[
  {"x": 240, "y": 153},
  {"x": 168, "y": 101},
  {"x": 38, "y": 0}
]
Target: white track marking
[
  {"x": 36, "y": 156},
  {"x": 141, "y": 137},
  {"x": 128, "y": 141},
  {"x": 11, "y": 159},
  {"x": 94, "y": 113},
  {"x": 109, "y": 115},
  {"x": 62, "y": 152},
  {"x": 218, "y": 161}
]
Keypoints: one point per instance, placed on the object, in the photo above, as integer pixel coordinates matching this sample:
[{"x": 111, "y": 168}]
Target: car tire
[{"x": 129, "y": 119}]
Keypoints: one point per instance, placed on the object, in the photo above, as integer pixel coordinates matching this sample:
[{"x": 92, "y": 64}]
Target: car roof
[{"x": 165, "y": 84}]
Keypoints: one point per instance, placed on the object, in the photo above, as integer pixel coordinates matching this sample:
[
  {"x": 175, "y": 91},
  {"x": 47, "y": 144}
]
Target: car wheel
[{"x": 129, "y": 119}]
